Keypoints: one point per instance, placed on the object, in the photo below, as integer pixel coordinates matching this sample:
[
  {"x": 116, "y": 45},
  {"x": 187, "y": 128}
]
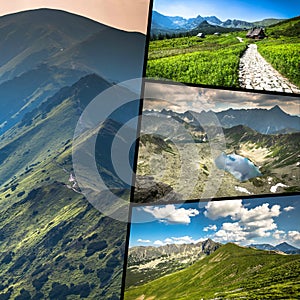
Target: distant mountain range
[
  {"x": 145, "y": 253},
  {"x": 265, "y": 121},
  {"x": 168, "y": 24},
  {"x": 283, "y": 247}
]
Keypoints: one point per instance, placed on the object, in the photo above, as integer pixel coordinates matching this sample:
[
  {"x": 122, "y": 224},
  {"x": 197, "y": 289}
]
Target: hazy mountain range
[
  {"x": 163, "y": 23},
  {"x": 283, "y": 247},
  {"x": 44, "y": 50}
]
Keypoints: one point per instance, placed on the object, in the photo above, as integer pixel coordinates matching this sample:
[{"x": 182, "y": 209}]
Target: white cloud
[
  {"x": 168, "y": 241},
  {"x": 230, "y": 232},
  {"x": 259, "y": 213},
  {"x": 183, "y": 240},
  {"x": 289, "y": 208},
  {"x": 177, "y": 240},
  {"x": 158, "y": 243},
  {"x": 171, "y": 214},
  {"x": 279, "y": 234},
  {"x": 250, "y": 223},
  {"x": 210, "y": 227},
  {"x": 294, "y": 235},
  {"x": 143, "y": 241},
  {"x": 181, "y": 98},
  {"x": 223, "y": 209}
]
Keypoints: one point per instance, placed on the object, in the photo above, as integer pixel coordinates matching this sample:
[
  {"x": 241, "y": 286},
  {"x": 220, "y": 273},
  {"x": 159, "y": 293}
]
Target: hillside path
[{"x": 256, "y": 73}]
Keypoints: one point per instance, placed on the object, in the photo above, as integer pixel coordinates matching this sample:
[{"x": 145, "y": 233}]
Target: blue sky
[
  {"x": 265, "y": 220},
  {"x": 234, "y": 9}
]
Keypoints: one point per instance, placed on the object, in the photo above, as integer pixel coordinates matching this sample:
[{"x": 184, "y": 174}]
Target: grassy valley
[{"x": 214, "y": 60}]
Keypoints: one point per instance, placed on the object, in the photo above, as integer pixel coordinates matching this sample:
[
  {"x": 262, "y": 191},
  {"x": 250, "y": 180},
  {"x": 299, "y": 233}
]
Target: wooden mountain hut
[
  {"x": 201, "y": 35},
  {"x": 256, "y": 33}
]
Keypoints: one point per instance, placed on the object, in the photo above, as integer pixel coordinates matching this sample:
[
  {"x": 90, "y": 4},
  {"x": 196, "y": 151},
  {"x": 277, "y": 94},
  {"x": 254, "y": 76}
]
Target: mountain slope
[
  {"x": 31, "y": 37},
  {"x": 55, "y": 119},
  {"x": 53, "y": 243},
  {"x": 48, "y": 230},
  {"x": 92, "y": 55},
  {"x": 25, "y": 92},
  {"x": 288, "y": 28},
  {"x": 286, "y": 248},
  {"x": 230, "y": 272}
]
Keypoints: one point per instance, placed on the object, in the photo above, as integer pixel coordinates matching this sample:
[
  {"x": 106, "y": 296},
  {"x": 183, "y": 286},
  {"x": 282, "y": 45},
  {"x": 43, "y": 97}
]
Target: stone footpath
[{"x": 256, "y": 73}]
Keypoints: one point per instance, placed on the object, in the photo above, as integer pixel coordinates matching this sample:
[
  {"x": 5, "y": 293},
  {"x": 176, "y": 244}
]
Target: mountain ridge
[{"x": 266, "y": 121}]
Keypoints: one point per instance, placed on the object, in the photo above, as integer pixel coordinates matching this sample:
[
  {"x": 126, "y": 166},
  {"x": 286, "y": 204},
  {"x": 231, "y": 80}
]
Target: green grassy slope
[
  {"x": 232, "y": 272},
  {"x": 213, "y": 60},
  {"x": 282, "y": 48},
  {"x": 284, "y": 148}
]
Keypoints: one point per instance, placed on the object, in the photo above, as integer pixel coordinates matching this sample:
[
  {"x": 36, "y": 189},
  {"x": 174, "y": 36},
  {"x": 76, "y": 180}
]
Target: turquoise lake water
[{"x": 240, "y": 167}]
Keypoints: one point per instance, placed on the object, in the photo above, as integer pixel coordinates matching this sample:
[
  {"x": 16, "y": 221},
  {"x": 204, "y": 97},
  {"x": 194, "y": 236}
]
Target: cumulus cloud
[
  {"x": 210, "y": 227},
  {"x": 289, "y": 208},
  {"x": 223, "y": 209},
  {"x": 181, "y": 98},
  {"x": 259, "y": 213},
  {"x": 230, "y": 232},
  {"x": 177, "y": 240},
  {"x": 250, "y": 223},
  {"x": 279, "y": 234},
  {"x": 172, "y": 215},
  {"x": 294, "y": 235},
  {"x": 158, "y": 243},
  {"x": 143, "y": 241}
]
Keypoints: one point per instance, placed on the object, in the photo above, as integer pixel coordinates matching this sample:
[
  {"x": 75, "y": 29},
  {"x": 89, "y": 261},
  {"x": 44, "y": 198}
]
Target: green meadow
[{"x": 214, "y": 60}]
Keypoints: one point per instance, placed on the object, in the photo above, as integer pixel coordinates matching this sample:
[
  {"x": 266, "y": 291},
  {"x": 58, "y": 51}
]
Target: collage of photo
[{"x": 149, "y": 149}]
